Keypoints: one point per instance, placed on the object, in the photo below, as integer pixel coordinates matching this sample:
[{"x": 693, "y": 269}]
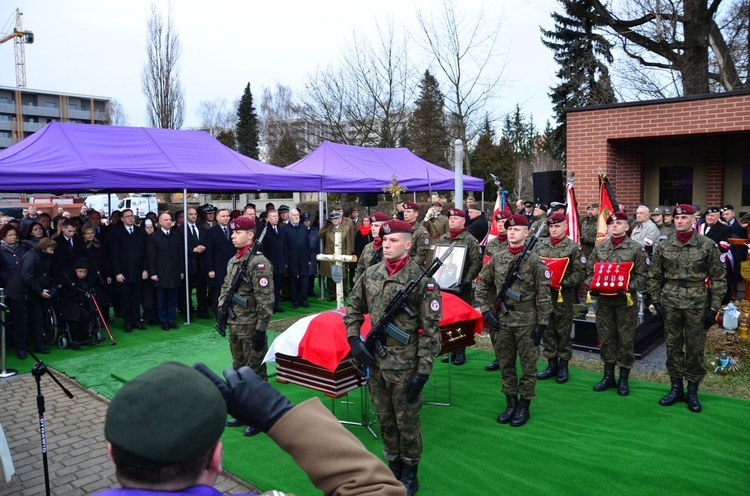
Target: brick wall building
[{"x": 693, "y": 149}]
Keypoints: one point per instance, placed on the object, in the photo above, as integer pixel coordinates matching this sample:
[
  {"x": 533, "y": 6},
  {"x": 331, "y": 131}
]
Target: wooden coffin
[
  {"x": 296, "y": 370},
  {"x": 456, "y": 335}
]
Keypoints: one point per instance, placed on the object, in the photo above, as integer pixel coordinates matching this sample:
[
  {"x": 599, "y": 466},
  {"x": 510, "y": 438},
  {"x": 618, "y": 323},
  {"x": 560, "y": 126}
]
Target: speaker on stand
[{"x": 548, "y": 187}]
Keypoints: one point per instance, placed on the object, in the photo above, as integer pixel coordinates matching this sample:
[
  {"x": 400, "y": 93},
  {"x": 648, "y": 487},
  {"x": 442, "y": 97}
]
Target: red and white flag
[{"x": 571, "y": 216}]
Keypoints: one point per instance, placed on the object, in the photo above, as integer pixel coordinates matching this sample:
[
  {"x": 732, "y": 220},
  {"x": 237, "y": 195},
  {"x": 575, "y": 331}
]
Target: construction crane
[{"x": 20, "y": 37}]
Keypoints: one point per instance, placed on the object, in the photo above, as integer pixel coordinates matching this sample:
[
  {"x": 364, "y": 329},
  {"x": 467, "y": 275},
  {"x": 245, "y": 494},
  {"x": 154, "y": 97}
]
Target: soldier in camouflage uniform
[
  {"x": 677, "y": 284},
  {"x": 435, "y": 222},
  {"x": 328, "y": 234},
  {"x": 589, "y": 228},
  {"x": 518, "y": 333},
  {"x": 540, "y": 218},
  {"x": 558, "y": 345},
  {"x": 664, "y": 230},
  {"x": 420, "y": 247},
  {"x": 496, "y": 244},
  {"x": 617, "y": 316},
  {"x": 396, "y": 380},
  {"x": 247, "y": 331},
  {"x": 372, "y": 253},
  {"x": 472, "y": 266}
]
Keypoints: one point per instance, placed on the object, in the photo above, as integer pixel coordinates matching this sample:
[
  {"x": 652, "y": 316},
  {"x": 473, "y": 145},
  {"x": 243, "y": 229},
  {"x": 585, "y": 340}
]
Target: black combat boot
[
  {"x": 460, "y": 357},
  {"x": 397, "y": 467},
  {"x": 608, "y": 381},
  {"x": 622, "y": 385},
  {"x": 692, "y": 397},
  {"x": 522, "y": 413},
  {"x": 562, "y": 372},
  {"x": 550, "y": 371},
  {"x": 492, "y": 366},
  {"x": 409, "y": 479},
  {"x": 449, "y": 358},
  {"x": 510, "y": 409},
  {"x": 677, "y": 393}
]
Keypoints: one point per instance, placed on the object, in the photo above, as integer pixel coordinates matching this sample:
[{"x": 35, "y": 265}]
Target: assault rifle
[
  {"x": 226, "y": 310},
  {"x": 384, "y": 326},
  {"x": 514, "y": 275}
]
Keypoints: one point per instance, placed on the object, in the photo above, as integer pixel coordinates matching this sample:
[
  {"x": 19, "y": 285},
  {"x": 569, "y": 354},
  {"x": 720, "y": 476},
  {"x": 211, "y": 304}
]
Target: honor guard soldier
[
  {"x": 372, "y": 253},
  {"x": 496, "y": 244},
  {"x": 472, "y": 265},
  {"x": 589, "y": 228},
  {"x": 616, "y": 272},
  {"x": 328, "y": 234},
  {"x": 565, "y": 260},
  {"x": 517, "y": 333},
  {"x": 435, "y": 222},
  {"x": 420, "y": 247},
  {"x": 247, "y": 330},
  {"x": 396, "y": 379},
  {"x": 680, "y": 269}
]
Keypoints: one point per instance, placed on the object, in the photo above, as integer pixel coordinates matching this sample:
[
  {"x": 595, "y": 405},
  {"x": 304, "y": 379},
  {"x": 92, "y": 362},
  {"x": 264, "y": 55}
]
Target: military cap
[
  {"x": 657, "y": 211},
  {"x": 457, "y": 212},
  {"x": 528, "y": 204},
  {"x": 334, "y": 215},
  {"x": 305, "y": 216},
  {"x": 503, "y": 214},
  {"x": 713, "y": 210},
  {"x": 517, "y": 220},
  {"x": 282, "y": 209},
  {"x": 593, "y": 205},
  {"x": 475, "y": 206},
  {"x": 379, "y": 217},
  {"x": 209, "y": 209},
  {"x": 242, "y": 224},
  {"x": 169, "y": 414},
  {"x": 696, "y": 208},
  {"x": 541, "y": 206},
  {"x": 410, "y": 205},
  {"x": 617, "y": 216},
  {"x": 555, "y": 219},
  {"x": 727, "y": 207},
  {"x": 684, "y": 209},
  {"x": 470, "y": 198},
  {"x": 437, "y": 202},
  {"x": 81, "y": 263},
  {"x": 394, "y": 226},
  {"x": 556, "y": 205}
]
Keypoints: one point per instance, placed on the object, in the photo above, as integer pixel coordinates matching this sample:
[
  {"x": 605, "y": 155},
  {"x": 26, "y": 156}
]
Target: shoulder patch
[
  {"x": 430, "y": 287},
  {"x": 263, "y": 282},
  {"x": 434, "y": 305},
  {"x": 427, "y": 241},
  {"x": 547, "y": 274},
  {"x": 648, "y": 261},
  {"x": 261, "y": 266},
  {"x": 583, "y": 260}
]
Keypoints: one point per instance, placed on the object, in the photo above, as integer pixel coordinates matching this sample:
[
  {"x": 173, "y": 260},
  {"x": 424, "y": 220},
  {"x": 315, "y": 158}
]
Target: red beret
[
  {"x": 684, "y": 209},
  {"x": 503, "y": 214},
  {"x": 411, "y": 205},
  {"x": 242, "y": 224},
  {"x": 456, "y": 212},
  {"x": 556, "y": 219},
  {"x": 379, "y": 217},
  {"x": 394, "y": 226},
  {"x": 617, "y": 216},
  {"x": 517, "y": 220}
]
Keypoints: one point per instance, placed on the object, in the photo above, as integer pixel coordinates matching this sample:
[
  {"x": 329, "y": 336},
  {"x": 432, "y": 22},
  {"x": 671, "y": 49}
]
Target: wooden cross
[
  {"x": 337, "y": 258},
  {"x": 395, "y": 189}
]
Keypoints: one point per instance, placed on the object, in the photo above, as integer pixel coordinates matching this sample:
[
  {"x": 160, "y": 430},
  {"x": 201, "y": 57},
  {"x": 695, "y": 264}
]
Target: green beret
[{"x": 169, "y": 414}]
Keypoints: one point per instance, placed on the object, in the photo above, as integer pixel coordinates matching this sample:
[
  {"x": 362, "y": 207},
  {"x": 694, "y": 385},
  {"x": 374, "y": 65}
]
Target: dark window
[
  {"x": 676, "y": 185},
  {"x": 746, "y": 185}
]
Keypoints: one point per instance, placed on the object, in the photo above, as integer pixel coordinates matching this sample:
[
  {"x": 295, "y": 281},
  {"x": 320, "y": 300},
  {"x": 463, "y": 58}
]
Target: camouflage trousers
[
  {"x": 686, "y": 342},
  {"x": 615, "y": 325},
  {"x": 243, "y": 354},
  {"x": 557, "y": 341},
  {"x": 400, "y": 426},
  {"x": 512, "y": 342}
]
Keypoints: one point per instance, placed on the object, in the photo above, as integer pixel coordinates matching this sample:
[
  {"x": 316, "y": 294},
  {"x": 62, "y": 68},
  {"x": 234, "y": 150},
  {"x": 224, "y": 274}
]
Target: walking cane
[{"x": 101, "y": 317}]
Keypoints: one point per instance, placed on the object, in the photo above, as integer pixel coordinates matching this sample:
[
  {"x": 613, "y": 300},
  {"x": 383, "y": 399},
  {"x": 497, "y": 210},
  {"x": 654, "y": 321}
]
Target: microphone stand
[{"x": 38, "y": 370}]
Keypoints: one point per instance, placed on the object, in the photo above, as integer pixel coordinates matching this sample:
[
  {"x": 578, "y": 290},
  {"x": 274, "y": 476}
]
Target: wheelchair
[{"x": 57, "y": 329}]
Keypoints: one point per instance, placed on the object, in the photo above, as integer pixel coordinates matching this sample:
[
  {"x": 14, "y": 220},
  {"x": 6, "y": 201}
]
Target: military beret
[
  {"x": 713, "y": 210},
  {"x": 282, "y": 209},
  {"x": 410, "y": 205},
  {"x": 242, "y": 224},
  {"x": 517, "y": 220},
  {"x": 503, "y": 214},
  {"x": 657, "y": 211},
  {"x": 456, "y": 212},
  {"x": 305, "y": 216},
  {"x": 556, "y": 219},
  {"x": 334, "y": 215},
  {"x": 617, "y": 216},
  {"x": 169, "y": 414},
  {"x": 234, "y": 214},
  {"x": 81, "y": 263},
  {"x": 437, "y": 202},
  {"x": 475, "y": 206},
  {"x": 379, "y": 217},
  {"x": 394, "y": 226},
  {"x": 727, "y": 207},
  {"x": 684, "y": 209},
  {"x": 528, "y": 204}
]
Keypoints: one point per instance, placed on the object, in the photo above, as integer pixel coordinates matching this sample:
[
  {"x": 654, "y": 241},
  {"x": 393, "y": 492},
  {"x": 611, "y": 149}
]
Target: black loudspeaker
[
  {"x": 368, "y": 199},
  {"x": 548, "y": 187}
]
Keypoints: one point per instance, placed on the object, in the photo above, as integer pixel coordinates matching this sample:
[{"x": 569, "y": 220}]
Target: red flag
[
  {"x": 501, "y": 204},
  {"x": 571, "y": 215},
  {"x": 607, "y": 206}
]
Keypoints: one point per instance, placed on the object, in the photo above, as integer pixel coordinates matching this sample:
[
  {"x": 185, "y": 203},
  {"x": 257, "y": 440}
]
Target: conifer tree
[
  {"x": 286, "y": 151},
  {"x": 248, "y": 140},
  {"x": 427, "y": 135}
]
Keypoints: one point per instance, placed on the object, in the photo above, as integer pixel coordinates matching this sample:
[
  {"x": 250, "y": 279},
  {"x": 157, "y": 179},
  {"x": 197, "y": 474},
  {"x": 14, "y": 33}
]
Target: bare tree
[
  {"x": 217, "y": 115},
  {"x": 114, "y": 115},
  {"x": 160, "y": 79},
  {"x": 278, "y": 119},
  {"x": 467, "y": 54}
]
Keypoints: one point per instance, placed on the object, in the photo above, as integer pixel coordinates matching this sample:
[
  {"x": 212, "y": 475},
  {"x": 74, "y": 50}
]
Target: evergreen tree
[
  {"x": 227, "y": 139},
  {"x": 427, "y": 134},
  {"x": 486, "y": 158},
  {"x": 520, "y": 134},
  {"x": 286, "y": 151},
  {"x": 248, "y": 140},
  {"x": 582, "y": 53}
]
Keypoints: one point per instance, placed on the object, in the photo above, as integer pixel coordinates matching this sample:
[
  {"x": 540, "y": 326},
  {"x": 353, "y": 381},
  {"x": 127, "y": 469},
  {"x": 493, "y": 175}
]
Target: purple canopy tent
[
  {"x": 355, "y": 169},
  {"x": 67, "y": 157}
]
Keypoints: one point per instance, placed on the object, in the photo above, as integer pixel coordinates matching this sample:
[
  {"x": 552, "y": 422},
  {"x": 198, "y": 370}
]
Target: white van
[
  {"x": 140, "y": 204},
  {"x": 101, "y": 202}
]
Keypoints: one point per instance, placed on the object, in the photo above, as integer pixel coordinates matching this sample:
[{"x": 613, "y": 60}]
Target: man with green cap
[{"x": 163, "y": 430}]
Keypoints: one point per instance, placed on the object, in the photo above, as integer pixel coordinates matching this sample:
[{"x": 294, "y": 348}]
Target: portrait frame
[{"x": 449, "y": 274}]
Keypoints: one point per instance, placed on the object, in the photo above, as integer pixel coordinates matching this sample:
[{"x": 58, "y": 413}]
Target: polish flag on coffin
[{"x": 321, "y": 338}]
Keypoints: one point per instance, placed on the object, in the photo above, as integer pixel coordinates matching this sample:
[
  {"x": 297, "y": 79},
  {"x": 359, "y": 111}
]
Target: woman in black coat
[
  {"x": 10, "y": 253},
  {"x": 76, "y": 306},
  {"x": 34, "y": 233},
  {"x": 100, "y": 270}
]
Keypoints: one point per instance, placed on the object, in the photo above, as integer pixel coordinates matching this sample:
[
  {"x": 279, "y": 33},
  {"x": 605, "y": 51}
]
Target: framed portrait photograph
[{"x": 448, "y": 275}]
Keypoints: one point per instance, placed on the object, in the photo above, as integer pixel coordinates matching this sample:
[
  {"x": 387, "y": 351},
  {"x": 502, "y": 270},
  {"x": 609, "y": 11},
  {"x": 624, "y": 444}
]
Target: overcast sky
[{"x": 97, "y": 47}]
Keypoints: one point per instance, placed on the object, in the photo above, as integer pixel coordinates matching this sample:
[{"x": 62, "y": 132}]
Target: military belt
[
  {"x": 686, "y": 284},
  {"x": 524, "y": 305}
]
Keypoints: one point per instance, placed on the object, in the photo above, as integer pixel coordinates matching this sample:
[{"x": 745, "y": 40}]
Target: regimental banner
[{"x": 607, "y": 206}]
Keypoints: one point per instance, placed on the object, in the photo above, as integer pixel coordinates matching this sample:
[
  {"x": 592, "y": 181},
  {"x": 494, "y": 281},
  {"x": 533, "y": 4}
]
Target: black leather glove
[
  {"x": 250, "y": 399},
  {"x": 594, "y": 292},
  {"x": 709, "y": 319},
  {"x": 660, "y": 310},
  {"x": 539, "y": 331},
  {"x": 414, "y": 386},
  {"x": 259, "y": 340},
  {"x": 359, "y": 351},
  {"x": 490, "y": 319}
]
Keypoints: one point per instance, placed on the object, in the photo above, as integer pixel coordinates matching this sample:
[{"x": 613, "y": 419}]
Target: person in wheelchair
[{"x": 76, "y": 306}]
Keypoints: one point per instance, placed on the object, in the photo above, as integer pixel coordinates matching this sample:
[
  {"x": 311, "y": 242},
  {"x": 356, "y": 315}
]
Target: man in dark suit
[
  {"x": 70, "y": 246},
  {"x": 127, "y": 254},
  {"x": 712, "y": 228},
  {"x": 274, "y": 248},
  {"x": 298, "y": 258},
  {"x": 219, "y": 249},
  {"x": 164, "y": 256},
  {"x": 197, "y": 272}
]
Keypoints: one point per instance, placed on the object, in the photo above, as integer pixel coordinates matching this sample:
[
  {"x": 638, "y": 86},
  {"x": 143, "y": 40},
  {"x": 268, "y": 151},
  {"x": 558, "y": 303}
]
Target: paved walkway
[{"x": 76, "y": 449}]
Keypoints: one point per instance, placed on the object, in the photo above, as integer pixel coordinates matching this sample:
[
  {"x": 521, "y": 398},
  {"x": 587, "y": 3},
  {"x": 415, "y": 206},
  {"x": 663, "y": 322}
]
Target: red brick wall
[{"x": 597, "y": 139}]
